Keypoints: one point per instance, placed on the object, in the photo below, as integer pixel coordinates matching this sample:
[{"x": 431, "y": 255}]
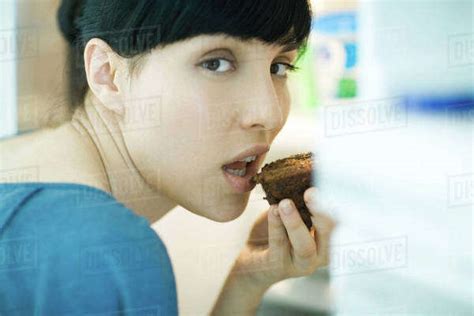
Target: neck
[{"x": 100, "y": 131}]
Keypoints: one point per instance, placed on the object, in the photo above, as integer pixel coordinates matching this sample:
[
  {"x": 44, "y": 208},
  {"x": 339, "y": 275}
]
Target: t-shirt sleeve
[{"x": 94, "y": 260}]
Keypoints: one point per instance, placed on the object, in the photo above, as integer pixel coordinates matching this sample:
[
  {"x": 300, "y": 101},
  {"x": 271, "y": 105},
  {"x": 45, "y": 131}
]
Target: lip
[
  {"x": 256, "y": 150},
  {"x": 244, "y": 184}
]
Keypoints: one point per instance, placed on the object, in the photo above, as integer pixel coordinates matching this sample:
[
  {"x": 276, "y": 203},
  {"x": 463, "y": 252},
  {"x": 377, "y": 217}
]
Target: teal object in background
[
  {"x": 351, "y": 54},
  {"x": 338, "y": 23},
  {"x": 335, "y": 56}
]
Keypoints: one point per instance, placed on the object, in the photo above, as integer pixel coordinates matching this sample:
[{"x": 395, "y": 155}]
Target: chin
[
  {"x": 222, "y": 209},
  {"x": 223, "y": 213},
  {"x": 227, "y": 215}
]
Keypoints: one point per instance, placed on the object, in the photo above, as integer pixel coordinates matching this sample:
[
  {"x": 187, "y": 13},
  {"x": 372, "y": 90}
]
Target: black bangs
[
  {"x": 161, "y": 22},
  {"x": 272, "y": 21}
]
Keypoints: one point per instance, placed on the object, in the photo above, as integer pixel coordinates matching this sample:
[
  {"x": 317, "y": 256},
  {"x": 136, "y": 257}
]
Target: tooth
[
  {"x": 250, "y": 159},
  {"x": 237, "y": 172}
]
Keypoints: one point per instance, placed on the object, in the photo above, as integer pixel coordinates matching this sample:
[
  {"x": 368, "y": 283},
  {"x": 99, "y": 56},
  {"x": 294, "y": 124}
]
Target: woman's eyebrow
[
  {"x": 214, "y": 50},
  {"x": 289, "y": 47}
]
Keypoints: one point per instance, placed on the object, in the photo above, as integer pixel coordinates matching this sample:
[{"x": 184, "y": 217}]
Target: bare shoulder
[
  {"x": 47, "y": 155},
  {"x": 18, "y": 152}
]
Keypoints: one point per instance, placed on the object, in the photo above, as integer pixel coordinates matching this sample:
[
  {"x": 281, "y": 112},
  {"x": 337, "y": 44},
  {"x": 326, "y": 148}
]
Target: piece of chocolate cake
[{"x": 288, "y": 178}]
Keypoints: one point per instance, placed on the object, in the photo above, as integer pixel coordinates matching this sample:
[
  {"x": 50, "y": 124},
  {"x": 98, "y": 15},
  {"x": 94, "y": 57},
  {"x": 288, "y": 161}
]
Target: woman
[{"x": 174, "y": 103}]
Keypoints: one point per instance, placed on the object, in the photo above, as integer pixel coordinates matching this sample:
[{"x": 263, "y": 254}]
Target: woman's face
[{"x": 198, "y": 105}]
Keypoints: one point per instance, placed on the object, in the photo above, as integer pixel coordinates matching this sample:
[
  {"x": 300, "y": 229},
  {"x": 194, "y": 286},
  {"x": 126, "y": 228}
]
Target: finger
[
  {"x": 277, "y": 238},
  {"x": 310, "y": 196},
  {"x": 324, "y": 227},
  {"x": 278, "y": 243},
  {"x": 323, "y": 222},
  {"x": 304, "y": 246}
]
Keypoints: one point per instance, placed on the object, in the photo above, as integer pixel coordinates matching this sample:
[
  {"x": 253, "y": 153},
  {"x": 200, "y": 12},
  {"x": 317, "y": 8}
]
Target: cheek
[
  {"x": 285, "y": 100},
  {"x": 175, "y": 119},
  {"x": 176, "y": 143}
]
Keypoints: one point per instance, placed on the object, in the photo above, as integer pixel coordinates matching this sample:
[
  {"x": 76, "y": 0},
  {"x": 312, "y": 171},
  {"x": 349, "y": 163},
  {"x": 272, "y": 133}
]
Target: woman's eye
[
  {"x": 217, "y": 65},
  {"x": 280, "y": 69}
]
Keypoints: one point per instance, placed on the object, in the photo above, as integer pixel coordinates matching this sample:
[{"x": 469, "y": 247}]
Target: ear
[{"x": 102, "y": 66}]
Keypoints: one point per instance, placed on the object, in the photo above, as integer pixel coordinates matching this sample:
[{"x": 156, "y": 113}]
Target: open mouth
[
  {"x": 240, "y": 173},
  {"x": 244, "y": 167},
  {"x": 240, "y": 168}
]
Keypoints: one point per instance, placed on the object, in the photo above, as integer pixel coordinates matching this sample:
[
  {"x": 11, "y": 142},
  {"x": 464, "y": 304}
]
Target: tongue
[{"x": 236, "y": 165}]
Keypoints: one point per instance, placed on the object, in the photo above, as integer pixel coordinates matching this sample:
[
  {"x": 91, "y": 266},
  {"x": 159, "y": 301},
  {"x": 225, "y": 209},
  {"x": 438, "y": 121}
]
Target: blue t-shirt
[{"x": 70, "y": 249}]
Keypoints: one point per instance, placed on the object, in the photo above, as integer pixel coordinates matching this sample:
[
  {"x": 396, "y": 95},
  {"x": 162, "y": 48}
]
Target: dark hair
[{"x": 133, "y": 28}]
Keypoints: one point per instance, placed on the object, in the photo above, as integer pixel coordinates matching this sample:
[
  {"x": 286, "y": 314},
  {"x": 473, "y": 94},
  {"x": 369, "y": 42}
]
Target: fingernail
[{"x": 286, "y": 207}]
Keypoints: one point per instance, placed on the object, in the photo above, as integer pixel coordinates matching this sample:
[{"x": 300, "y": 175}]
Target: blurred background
[{"x": 384, "y": 97}]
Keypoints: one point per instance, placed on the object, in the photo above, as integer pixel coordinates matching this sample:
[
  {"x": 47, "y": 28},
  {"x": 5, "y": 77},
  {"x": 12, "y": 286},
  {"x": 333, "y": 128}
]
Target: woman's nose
[{"x": 263, "y": 110}]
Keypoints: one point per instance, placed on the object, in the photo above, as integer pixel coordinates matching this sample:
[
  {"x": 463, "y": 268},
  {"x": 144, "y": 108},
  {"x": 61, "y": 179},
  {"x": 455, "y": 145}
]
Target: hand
[{"x": 280, "y": 245}]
